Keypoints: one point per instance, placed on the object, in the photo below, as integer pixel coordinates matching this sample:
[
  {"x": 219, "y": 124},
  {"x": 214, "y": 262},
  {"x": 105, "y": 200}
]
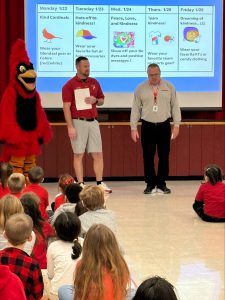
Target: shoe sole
[
  {"x": 152, "y": 192},
  {"x": 161, "y": 192}
]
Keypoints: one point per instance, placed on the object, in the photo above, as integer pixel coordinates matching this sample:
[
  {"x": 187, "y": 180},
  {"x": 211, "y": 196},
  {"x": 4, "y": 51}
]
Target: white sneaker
[
  {"x": 105, "y": 188},
  {"x": 82, "y": 185}
]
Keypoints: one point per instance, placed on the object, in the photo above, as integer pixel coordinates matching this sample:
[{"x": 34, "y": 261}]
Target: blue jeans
[{"x": 66, "y": 292}]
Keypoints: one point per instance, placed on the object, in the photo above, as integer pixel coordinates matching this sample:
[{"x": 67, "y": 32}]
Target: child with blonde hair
[
  {"x": 18, "y": 229},
  {"x": 16, "y": 184},
  {"x": 10, "y": 205},
  {"x": 93, "y": 199}
]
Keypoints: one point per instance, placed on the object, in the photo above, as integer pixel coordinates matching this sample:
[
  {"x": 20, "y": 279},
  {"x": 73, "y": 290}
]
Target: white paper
[{"x": 80, "y": 95}]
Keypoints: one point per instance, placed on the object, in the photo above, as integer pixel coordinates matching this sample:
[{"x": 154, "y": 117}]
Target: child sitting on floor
[
  {"x": 102, "y": 273},
  {"x": 36, "y": 176},
  {"x": 72, "y": 198},
  {"x": 16, "y": 184},
  {"x": 93, "y": 199},
  {"x": 43, "y": 230},
  {"x": 64, "y": 181},
  {"x": 210, "y": 199},
  {"x": 62, "y": 255},
  {"x": 10, "y": 205},
  {"x": 18, "y": 230},
  {"x": 155, "y": 288}
]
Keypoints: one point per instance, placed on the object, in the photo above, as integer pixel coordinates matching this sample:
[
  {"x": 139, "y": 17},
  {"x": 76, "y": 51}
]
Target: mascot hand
[{"x": 40, "y": 141}]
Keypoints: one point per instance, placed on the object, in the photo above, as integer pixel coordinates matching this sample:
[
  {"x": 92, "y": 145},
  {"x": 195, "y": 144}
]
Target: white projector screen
[{"x": 120, "y": 39}]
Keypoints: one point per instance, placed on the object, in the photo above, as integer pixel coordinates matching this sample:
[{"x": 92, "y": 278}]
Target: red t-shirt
[
  {"x": 213, "y": 197},
  {"x": 68, "y": 96},
  {"x": 4, "y": 191},
  {"x": 42, "y": 193},
  {"x": 40, "y": 247},
  {"x": 59, "y": 200},
  {"x": 17, "y": 195}
]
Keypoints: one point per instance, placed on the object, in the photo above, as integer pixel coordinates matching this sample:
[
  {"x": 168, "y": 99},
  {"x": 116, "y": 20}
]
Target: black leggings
[{"x": 198, "y": 208}]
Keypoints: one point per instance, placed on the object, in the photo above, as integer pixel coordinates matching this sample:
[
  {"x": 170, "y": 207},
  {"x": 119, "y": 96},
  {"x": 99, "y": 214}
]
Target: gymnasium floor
[{"x": 161, "y": 235}]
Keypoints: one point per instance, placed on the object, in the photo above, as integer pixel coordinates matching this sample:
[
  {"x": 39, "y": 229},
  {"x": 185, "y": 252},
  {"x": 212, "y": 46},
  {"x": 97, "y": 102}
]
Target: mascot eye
[{"x": 22, "y": 69}]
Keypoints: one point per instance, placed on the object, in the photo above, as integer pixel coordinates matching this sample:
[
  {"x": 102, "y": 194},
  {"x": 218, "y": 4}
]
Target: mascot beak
[{"x": 28, "y": 79}]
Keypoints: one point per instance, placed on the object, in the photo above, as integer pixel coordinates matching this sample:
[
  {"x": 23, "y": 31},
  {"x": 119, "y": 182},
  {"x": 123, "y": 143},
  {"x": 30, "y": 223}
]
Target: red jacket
[{"x": 11, "y": 287}]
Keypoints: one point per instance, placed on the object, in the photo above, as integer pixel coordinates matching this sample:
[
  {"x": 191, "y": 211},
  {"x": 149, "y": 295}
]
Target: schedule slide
[{"x": 121, "y": 40}]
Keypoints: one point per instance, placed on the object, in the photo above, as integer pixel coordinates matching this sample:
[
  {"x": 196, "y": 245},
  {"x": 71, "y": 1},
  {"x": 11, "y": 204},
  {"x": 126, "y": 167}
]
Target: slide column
[
  {"x": 91, "y": 35},
  {"x": 162, "y": 37},
  {"x": 55, "y": 38}
]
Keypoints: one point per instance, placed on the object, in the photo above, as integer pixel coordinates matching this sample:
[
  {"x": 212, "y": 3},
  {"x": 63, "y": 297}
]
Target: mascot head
[{"x": 22, "y": 74}]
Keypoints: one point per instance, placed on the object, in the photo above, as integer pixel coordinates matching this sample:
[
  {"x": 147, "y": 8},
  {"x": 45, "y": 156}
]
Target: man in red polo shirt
[{"x": 80, "y": 96}]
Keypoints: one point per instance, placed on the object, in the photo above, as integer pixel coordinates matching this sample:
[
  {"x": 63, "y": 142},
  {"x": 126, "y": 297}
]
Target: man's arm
[
  {"x": 176, "y": 114},
  {"x": 134, "y": 118},
  {"x": 69, "y": 121}
]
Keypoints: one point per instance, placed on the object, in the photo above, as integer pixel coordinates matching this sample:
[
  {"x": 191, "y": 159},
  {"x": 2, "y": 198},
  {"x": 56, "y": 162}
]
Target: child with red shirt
[
  {"x": 18, "y": 230},
  {"x": 36, "y": 176},
  {"x": 210, "y": 199},
  {"x": 5, "y": 171},
  {"x": 42, "y": 228},
  {"x": 16, "y": 184},
  {"x": 64, "y": 181}
]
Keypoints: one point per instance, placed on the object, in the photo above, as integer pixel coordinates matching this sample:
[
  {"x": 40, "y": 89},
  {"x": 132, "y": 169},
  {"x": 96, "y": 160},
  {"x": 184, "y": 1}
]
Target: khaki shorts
[{"x": 88, "y": 137}]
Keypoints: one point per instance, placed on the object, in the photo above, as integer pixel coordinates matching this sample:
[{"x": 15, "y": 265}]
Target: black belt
[
  {"x": 84, "y": 119},
  {"x": 156, "y": 123}
]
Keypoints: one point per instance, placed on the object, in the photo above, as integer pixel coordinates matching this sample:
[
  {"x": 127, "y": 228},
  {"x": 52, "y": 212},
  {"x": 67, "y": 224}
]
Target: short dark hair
[
  {"x": 153, "y": 66},
  {"x": 35, "y": 174},
  {"x": 68, "y": 226},
  {"x": 72, "y": 192},
  {"x": 80, "y": 58},
  {"x": 214, "y": 173},
  {"x": 5, "y": 171},
  {"x": 155, "y": 288}
]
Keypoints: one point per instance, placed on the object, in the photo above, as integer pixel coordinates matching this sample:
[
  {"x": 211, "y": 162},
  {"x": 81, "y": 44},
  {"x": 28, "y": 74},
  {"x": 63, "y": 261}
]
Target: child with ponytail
[
  {"x": 63, "y": 254},
  {"x": 210, "y": 199}
]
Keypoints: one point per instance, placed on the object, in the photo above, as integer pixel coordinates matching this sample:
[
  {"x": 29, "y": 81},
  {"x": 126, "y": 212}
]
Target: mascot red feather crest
[{"x": 23, "y": 122}]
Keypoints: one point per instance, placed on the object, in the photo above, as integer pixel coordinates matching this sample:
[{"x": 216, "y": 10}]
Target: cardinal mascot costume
[{"x": 23, "y": 123}]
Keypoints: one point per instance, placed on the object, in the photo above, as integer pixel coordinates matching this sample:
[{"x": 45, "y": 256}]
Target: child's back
[
  {"x": 18, "y": 230},
  {"x": 63, "y": 254},
  {"x": 36, "y": 175},
  {"x": 42, "y": 193},
  {"x": 43, "y": 230},
  {"x": 213, "y": 197},
  {"x": 210, "y": 199},
  {"x": 26, "y": 268}
]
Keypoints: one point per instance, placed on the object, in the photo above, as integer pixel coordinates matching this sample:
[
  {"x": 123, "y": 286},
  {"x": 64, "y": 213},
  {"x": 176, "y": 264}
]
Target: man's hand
[
  {"x": 134, "y": 135},
  {"x": 175, "y": 133},
  {"x": 90, "y": 100},
  {"x": 72, "y": 133}
]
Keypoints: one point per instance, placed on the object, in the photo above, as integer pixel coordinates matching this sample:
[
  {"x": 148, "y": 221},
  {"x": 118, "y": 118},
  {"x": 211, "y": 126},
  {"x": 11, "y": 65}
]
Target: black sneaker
[
  {"x": 163, "y": 189},
  {"x": 149, "y": 190}
]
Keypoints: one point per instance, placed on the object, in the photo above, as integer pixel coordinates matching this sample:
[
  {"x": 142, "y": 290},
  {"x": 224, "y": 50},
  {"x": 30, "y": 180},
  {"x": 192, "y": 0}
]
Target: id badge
[{"x": 155, "y": 108}]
